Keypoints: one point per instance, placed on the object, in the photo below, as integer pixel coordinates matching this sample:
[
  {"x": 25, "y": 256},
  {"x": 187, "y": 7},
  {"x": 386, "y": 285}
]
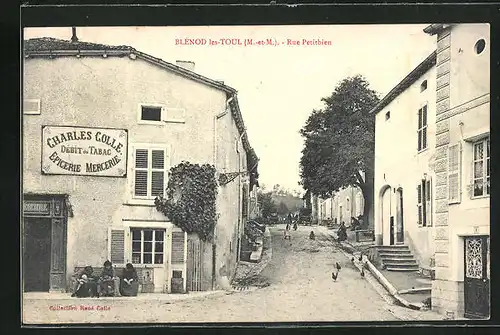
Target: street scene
[{"x": 238, "y": 174}]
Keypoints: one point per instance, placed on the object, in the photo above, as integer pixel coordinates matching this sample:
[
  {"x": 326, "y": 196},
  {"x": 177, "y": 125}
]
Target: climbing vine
[{"x": 190, "y": 199}]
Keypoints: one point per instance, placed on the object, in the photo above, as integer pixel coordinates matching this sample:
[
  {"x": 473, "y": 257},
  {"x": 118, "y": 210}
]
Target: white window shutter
[
  {"x": 428, "y": 199},
  {"x": 454, "y": 171},
  {"x": 419, "y": 204},
  {"x": 116, "y": 245},
  {"x": 31, "y": 106}
]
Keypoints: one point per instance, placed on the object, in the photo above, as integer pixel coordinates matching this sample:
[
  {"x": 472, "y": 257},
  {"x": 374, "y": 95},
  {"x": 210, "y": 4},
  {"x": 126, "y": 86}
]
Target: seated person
[
  {"x": 86, "y": 285},
  {"x": 107, "y": 281},
  {"x": 129, "y": 284}
]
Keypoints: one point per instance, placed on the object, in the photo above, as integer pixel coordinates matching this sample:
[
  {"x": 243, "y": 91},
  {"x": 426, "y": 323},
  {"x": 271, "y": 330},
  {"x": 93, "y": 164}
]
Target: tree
[
  {"x": 283, "y": 208},
  {"x": 339, "y": 143},
  {"x": 267, "y": 203}
]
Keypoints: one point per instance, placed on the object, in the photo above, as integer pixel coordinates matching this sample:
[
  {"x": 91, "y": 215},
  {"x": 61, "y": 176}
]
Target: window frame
[
  {"x": 150, "y": 147},
  {"x": 37, "y": 112},
  {"x": 485, "y": 174},
  {"x": 421, "y": 127},
  {"x": 153, "y": 241},
  {"x": 151, "y": 105}
]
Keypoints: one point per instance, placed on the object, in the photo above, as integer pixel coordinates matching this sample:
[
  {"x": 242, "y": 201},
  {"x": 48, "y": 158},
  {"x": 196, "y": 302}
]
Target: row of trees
[{"x": 339, "y": 143}]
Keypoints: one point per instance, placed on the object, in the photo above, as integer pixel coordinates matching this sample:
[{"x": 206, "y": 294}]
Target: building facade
[
  {"x": 102, "y": 126},
  {"x": 432, "y": 188},
  {"x": 345, "y": 204}
]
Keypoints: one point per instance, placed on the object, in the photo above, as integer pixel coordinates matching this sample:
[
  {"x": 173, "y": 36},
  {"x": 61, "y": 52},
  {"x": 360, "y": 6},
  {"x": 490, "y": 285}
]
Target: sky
[{"x": 278, "y": 85}]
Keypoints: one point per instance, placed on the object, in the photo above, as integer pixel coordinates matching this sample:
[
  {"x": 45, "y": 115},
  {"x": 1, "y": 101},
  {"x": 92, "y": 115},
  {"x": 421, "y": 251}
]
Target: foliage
[
  {"x": 267, "y": 203},
  {"x": 340, "y": 141},
  {"x": 190, "y": 201},
  {"x": 282, "y": 208}
]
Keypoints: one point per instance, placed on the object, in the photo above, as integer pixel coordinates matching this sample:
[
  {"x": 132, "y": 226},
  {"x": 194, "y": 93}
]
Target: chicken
[
  {"x": 334, "y": 276},
  {"x": 352, "y": 260},
  {"x": 337, "y": 265},
  {"x": 362, "y": 273},
  {"x": 360, "y": 257}
]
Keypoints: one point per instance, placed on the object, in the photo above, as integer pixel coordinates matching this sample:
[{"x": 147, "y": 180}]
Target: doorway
[
  {"x": 399, "y": 213},
  {"x": 391, "y": 231},
  {"x": 476, "y": 280},
  {"x": 36, "y": 254},
  {"x": 386, "y": 217}
]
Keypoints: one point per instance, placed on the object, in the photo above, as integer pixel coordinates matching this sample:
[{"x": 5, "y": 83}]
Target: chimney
[
  {"x": 74, "y": 38},
  {"x": 188, "y": 65}
]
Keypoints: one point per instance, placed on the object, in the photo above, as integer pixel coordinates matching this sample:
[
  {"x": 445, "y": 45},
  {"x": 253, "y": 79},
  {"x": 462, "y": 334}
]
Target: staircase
[{"x": 397, "y": 258}]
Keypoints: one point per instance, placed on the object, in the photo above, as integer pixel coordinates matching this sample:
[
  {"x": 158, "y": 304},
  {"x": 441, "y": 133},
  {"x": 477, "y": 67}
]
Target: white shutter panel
[
  {"x": 116, "y": 245},
  {"x": 177, "y": 252},
  {"x": 428, "y": 201},
  {"x": 158, "y": 172},
  {"x": 454, "y": 168},
  {"x": 419, "y": 204}
]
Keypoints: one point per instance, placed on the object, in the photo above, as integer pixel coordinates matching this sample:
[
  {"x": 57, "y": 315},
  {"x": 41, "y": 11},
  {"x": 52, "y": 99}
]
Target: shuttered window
[
  {"x": 424, "y": 203},
  {"x": 454, "y": 164},
  {"x": 178, "y": 242},
  {"x": 481, "y": 168},
  {"x": 147, "y": 245},
  {"x": 117, "y": 246},
  {"x": 149, "y": 172},
  {"x": 422, "y": 129}
]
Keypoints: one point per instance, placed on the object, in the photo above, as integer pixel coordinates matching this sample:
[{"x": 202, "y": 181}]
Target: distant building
[
  {"x": 432, "y": 167},
  {"x": 345, "y": 204},
  {"x": 102, "y": 126}
]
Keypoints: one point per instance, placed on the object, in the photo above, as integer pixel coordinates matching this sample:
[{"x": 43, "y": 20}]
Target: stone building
[
  {"x": 432, "y": 167},
  {"x": 102, "y": 126},
  {"x": 345, "y": 204}
]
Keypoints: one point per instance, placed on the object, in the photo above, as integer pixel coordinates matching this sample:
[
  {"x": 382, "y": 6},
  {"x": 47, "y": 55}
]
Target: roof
[
  {"x": 413, "y": 76},
  {"x": 435, "y": 28},
  {"x": 53, "y": 47}
]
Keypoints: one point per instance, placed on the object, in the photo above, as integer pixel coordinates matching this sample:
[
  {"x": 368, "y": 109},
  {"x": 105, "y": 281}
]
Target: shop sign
[{"x": 84, "y": 151}]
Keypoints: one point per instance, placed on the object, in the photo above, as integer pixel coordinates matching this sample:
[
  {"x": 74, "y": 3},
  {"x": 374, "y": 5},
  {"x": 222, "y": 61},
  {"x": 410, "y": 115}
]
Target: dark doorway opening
[
  {"x": 391, "y": 233},
  {"x": 36, "y": 254},
  {"x": 400, "y": 230}
]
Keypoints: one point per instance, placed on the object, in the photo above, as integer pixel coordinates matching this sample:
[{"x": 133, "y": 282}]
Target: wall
[
  {"x": 398, "y": 164},
  {"x": 463, "y": 116},
  {"x": 231, "y": 157},
  {"x": 105, "y": 92}
]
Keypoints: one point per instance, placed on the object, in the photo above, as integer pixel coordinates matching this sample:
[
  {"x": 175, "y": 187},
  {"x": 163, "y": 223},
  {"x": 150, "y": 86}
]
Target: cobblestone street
[{"x": 301, "y": 289}]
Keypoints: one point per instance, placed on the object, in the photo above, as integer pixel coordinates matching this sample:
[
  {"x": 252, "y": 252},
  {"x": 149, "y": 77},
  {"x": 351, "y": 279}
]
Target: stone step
[
  {"x": 394, "y": 252},
  {"x": 401, "y": 266},
  {"x": 401, "y": 269},
  {"x": 393, "y": 255},
  {"x": 399, "y": 261}
]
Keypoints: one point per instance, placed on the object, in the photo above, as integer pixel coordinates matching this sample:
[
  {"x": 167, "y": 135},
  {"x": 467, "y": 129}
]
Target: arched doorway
[
  {"x": 387, "y": 224},
  {"x": 400, "y": 238}
]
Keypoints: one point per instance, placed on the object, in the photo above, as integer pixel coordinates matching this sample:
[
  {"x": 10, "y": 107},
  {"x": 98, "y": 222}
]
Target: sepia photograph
[{"x": 255, "y": 173}]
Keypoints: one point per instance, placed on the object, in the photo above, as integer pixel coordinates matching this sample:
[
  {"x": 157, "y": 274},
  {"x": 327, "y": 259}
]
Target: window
[
  {"x": 150, "y": 113},
  {"x": 423, "y": 86},
  {"x": 387, "y": 115},
  {"x": 147, "y": 245},
  {"x": 149, "y": 172},
  {"x": 480, "y": 46},
  {"x": 481, "y": 169},
  {"x": 31, "y": 106},
  {"x": 422, "y": 128},
  {"x": 424, "y": 201}
]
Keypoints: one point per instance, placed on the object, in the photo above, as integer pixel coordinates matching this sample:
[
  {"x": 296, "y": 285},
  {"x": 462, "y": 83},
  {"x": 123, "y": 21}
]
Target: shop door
[
  {"x": 36, "y": 254},
  {"x": 476, "y": 281}
]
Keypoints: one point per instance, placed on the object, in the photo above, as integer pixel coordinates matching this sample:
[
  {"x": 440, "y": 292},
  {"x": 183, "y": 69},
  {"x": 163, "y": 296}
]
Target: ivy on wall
[{"x": 190, "y": 199}]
